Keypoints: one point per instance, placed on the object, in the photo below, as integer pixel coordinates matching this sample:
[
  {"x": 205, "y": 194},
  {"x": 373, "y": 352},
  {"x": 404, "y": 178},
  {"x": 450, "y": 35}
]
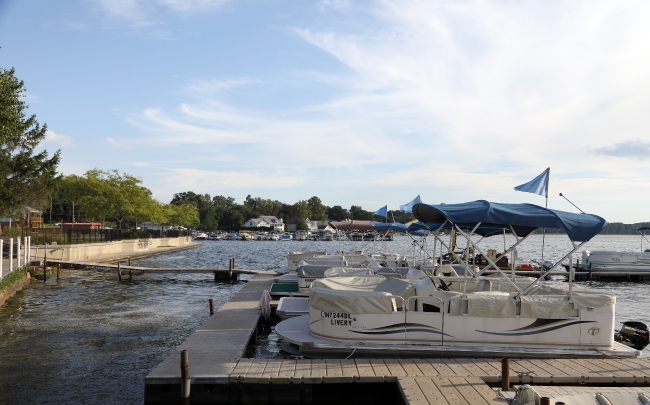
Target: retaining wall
[{"x": 91, "y": 250}]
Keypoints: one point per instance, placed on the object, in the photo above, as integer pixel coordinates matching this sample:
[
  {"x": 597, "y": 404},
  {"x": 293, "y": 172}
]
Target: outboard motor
[
  {"x": 634, "y": 334},
  {"x": 547, "y": 264}
]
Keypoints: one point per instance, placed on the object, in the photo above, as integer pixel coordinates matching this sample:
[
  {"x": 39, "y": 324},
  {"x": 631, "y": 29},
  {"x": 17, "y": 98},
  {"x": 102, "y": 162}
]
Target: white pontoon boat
[{"x": 606, "y": 260}]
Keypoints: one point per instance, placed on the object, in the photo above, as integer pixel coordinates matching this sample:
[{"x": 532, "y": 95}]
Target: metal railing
[{"x": 42, "y": 236}]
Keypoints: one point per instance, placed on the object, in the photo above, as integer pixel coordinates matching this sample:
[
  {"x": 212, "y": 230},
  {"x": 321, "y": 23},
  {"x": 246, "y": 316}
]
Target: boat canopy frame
[{"x": 484, "y": 218}]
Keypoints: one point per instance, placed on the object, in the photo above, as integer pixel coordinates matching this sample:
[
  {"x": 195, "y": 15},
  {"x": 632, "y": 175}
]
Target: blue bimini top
[
  {"x": 388, "y": 226},
  {"x": 524, "y": 218}
]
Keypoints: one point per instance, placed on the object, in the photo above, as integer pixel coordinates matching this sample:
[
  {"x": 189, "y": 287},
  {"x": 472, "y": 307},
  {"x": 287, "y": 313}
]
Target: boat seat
[{"x": 484, "y": 285}]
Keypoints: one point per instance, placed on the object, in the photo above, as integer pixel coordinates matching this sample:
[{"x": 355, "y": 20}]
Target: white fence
[{"x": 14, "y": 259}]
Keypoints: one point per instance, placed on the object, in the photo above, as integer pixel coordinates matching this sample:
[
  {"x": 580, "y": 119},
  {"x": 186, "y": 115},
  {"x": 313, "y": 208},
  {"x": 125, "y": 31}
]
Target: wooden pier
[{"x": 220, "y": 373}]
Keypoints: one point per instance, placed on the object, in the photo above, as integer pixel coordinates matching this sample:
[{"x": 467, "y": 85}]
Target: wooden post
[
  {"x": 545, "y": 401},
  {"x": 119, "y": 272},
  {"x": 211, "y": 307},
  {"x": 232, "y": 266},
  {"x": 130, "y": 274},
  {"x": 590, "y": 268},
  {"x": 505, "y": 374},
  {"x": 185, "y": 374},
  {"x": 58, "y": 271},
  {"x": 45, "y": 264},
  {"x": 129, "y": 261}
]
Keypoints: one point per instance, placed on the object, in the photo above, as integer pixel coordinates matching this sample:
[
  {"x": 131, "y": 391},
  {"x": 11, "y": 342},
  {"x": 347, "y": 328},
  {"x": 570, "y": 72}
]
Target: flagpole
[{"x": 548, "y": 180}]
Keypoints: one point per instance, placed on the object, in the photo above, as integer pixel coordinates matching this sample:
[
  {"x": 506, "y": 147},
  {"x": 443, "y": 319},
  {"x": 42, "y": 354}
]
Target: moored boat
[{"x": 374, "y": 315}]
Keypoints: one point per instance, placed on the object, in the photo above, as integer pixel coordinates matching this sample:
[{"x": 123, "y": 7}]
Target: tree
[
  {"x": 109, "y": 194},
  {"x": 359, "y": 213},
  {"x": 182, "y": 215},
  {"x": 302, "y": 225},
  {"x": 25, "y": 176},
  {"x": 203, "y": 202},
  {"x": 318, "y": 210},
  {"x": 300, "y": 210},
  {"x": 338, "y": 213}
]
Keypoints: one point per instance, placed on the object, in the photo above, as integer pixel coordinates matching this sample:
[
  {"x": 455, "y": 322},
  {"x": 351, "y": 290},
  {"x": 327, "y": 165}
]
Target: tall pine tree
[{"x": 25, "y": 175}]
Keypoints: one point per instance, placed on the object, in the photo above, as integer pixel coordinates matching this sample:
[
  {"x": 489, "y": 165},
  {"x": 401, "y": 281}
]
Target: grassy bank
[{"x": 12, "y": 279}]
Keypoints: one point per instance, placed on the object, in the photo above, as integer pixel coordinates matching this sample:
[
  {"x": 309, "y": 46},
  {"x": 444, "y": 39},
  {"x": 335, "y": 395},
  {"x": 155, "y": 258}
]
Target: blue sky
[{"x": 366, "y": 103}]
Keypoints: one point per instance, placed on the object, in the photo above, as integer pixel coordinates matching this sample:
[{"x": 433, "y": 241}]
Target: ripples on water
[{"x": 90, "y": 339}]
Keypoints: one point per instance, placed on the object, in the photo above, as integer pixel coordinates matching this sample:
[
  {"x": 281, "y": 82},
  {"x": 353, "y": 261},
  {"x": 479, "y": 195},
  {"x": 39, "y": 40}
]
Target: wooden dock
[
  {"x": 220, "y": 373},
  {"x": 152, "y": 270}
]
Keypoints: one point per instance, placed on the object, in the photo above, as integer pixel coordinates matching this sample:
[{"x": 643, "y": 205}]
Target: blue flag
[
  {"x": 538, "y": 185},
  {"x": 408, "y": 207},
  {"x": 382, "y": 212}
]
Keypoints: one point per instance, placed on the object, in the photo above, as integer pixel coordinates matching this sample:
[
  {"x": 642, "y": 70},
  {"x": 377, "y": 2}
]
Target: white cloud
[
  {"x": 117, "y": 144},
  {"x": 58, "y": 139},
  {"x": 472, "y": 98},
  {"x": 212, "y": 181}
]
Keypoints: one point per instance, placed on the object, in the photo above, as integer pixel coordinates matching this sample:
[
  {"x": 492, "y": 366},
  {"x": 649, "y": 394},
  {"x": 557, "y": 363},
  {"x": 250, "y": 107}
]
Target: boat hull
[{"x": 295, "y": 332}]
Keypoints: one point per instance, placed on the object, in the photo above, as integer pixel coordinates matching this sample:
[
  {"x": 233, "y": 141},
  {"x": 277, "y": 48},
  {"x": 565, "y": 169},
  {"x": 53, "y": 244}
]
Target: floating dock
[{"x": 220, "y": 374}]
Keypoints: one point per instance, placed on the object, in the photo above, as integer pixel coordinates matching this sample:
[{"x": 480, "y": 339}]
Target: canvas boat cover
[
  {"x": 422, "y": 229},
  {"x": 388, "y": 226},
  {"x": 352, "y": 225},
  {"x": 326, "y": 261},
  {"x": 348, "y": 272},
  {"x": 524, "y": 218},
  {"x": 358, "y": 295},
  {"x": 547, "y": 302},
  {"x": 311, "y": 271}
]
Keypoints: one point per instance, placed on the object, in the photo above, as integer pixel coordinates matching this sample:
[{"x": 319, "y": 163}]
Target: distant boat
[
  {"x": 201, "y": 236},
  {"x": 302, "y": 235},
  {"x": 609, "y": 260},
  {"x": 286, "y": 236}
]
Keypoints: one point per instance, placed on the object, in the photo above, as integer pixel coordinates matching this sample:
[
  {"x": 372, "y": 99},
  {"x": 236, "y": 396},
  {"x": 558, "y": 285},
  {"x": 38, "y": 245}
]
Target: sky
[{"x": 357, "y": 102}]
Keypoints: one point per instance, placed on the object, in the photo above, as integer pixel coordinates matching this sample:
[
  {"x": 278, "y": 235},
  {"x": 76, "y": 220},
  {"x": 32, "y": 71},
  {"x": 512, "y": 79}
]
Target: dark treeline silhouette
[{"x": 220, "y": 212}]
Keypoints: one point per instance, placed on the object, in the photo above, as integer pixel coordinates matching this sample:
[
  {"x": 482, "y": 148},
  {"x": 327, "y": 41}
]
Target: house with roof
[{"x": 265, "y": 221}]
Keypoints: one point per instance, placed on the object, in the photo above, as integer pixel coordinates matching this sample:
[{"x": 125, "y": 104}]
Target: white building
[{"x": 265, "y": 221}]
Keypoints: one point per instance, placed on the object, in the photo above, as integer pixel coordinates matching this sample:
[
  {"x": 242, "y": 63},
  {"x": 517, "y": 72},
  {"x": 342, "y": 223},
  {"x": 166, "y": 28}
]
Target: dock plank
[
  {"x": 302, "y": 369},
  {"x": 395, "y": 368},
  {"x": 411, "y": 391},
  {"x": 349, "y": 369},
  {"x": 365, "y": 369},
  {"x": 411, "y": 369},
  {"x": 242, "y": 368},
  {"x": 441, "y": 367},
  {"x": 457, "y": 368},
  {"x": 318, "y": 369},
  {"x": 486, "y": 367},
  {"x": 333, "y": 368},
  {"x": 379, "y": 367},
  {"x": 431, "y": 391},
  {"x": 447, "y": 389},
  {"x": 287, "y": 370},
  {"x": 472, "y": 369},
  {"x": 425, "y": 367},
  {"x": 466, "y": 389}
]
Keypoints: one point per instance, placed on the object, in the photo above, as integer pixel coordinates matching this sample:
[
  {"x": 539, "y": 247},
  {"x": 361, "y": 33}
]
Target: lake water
[{"x": 89, "y": 339}]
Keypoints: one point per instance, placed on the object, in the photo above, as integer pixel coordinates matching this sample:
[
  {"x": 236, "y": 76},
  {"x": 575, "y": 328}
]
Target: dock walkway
[{"x": 220, "y": 373}]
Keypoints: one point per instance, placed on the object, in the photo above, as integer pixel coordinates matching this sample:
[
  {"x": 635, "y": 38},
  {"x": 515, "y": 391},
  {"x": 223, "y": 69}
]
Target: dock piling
[
  {"x": 505, "y": 374},
  {"x": 129, "y": 261},
  {"x": 185, "y": 374},
  {"x": 58, "y": 271},
  {"x": 130, "y": 273},
  {"x": 211, "y": 307},
  {"x": 545, "y": 401},
  {"x": 45, "y": 264},
  {"x": 119, "y": 272}
]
